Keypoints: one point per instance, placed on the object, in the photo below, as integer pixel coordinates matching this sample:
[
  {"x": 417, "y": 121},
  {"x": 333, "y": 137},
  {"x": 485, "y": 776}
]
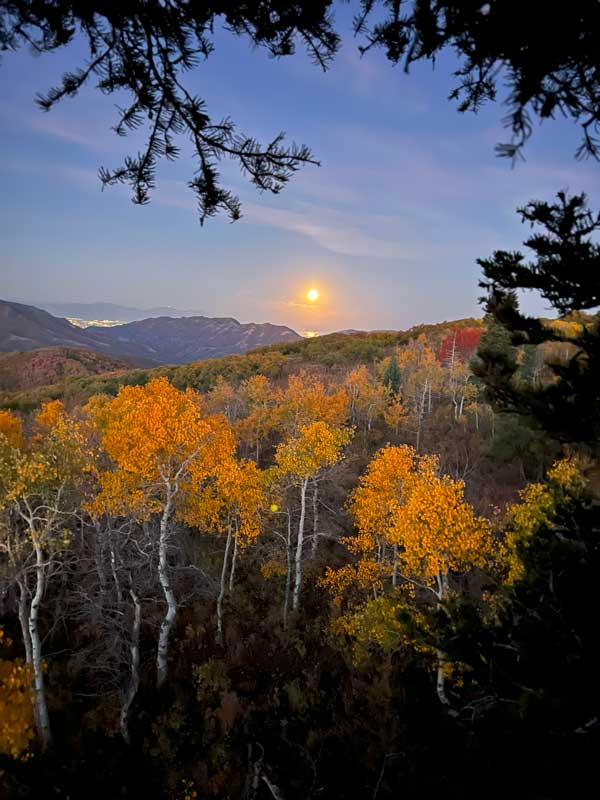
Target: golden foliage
[
  {"x": 412, "y": 520},
  {"x": 306, "y": 401},
  {"x": 368, "y": 398},
  {"x": 16, "y": 712},
  {"x": 536, "y": 509},
  {"x": 261, "y": 417},
  {"x": 155, "y": 436},
  {"x": 234, "y": 496},
  {"x": 317, "y": 446},
  {"x": 11, "y": 428}
]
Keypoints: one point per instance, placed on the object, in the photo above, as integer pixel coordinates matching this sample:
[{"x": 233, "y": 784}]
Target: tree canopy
[
  {"x": 548, "y": 61},
  {"x": 564, "y": 270}
]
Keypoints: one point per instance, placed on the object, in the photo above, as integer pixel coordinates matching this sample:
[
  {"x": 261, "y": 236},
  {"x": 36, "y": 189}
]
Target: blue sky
[{"x": 409, "y": 194}]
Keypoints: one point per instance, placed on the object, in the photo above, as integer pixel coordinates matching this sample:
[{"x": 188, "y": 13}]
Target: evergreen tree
[
  {"x": 565, "y": 272},
  {"x": 392, "y": 376}
]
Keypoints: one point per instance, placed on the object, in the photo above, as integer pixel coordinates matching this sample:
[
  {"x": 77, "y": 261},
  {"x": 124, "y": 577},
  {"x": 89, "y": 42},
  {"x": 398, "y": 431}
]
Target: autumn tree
[
  {"x": 422, "y": 378},
  {"x": 395, "y": 414},
  {"x": 16, "y": 712},
  {"x": 300, "y": 460},
  {"x": 224, "y": 399},
  {"x": 157, "y": 437},
  {"x": 259, "y": 398},
  {"x": 229, "y": 505},
  {"x": 368, "y": 399},
  {"x": 38, "y": 490},
  {"x": 305, "y": 400},
  {"x": 415, "y": 528},
  {"x": 11, "y": 428}
]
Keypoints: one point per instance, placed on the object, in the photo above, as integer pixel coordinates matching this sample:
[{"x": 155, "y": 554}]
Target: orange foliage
[
  {"x": 11, "y": 427},
  {"x": 155, "y": 434},
  {"x": 305, "y": 401},
  {"x": 403, "y": 507},
  {"x": 317, "y": 446},
  {"x": 16, "y": 712}
]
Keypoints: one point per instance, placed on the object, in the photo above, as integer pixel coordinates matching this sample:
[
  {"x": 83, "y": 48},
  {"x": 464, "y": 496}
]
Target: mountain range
[
  {"x": 152, "y": 341},
  {"x": 113, "y": 311}
]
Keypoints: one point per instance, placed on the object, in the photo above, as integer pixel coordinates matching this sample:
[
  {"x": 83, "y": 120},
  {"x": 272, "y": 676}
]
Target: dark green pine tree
[
  {"x": 392, "y": 377},
  {"x": 565, "y": 271}
]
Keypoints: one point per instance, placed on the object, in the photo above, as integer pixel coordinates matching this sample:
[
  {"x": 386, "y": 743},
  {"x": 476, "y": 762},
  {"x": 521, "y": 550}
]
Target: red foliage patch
[{"x": 464, "y": 341}]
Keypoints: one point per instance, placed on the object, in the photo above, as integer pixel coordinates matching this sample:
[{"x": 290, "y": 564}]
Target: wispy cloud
[{"x": 337, "y": 235}]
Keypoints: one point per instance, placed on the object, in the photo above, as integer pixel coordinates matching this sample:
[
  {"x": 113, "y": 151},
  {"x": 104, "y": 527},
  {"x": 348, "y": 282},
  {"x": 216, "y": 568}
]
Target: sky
[{"x": 388, "y": 229}]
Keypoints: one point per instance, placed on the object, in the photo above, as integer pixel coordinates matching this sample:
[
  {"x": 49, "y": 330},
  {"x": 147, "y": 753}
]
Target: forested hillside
[
  {"x": 329, "y": 354},
  {"x": 286, "y": 574},
  {"x": 251, "y": 566},
  {"x": 51, "y": 365}
]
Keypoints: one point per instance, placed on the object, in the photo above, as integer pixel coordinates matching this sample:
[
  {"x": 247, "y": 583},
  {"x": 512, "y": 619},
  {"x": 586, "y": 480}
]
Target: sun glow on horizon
[{"x": 312, "y": 295}]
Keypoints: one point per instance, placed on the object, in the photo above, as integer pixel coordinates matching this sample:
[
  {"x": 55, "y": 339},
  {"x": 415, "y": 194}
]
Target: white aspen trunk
[
  {"x": 233, "y": 562},
  {"x": 421, "y": 413},
  {"x": 440, "y": 684},
  {"x": 288, "y": 574},
  {"x": 39, "y": 692},
  {"x": 476, "y": 417},
  {"x": 315, "y": 510},
  {"x": 395, "y": 569},
  {"x": 221, "y": 595},
  {"x": 113, "y": 567},
  {"x": 163, "y": 576},
  {"x": 134, "y": 679},
  {"x": 299, "y": 546},
  {"x": 23, "y": 621}
]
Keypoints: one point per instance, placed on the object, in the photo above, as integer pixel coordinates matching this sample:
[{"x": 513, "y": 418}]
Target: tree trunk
[
  {"x": 163, "y": 576},
  {"x": 233, "y": 562},
  {"x": 23, "y": 621},
  {"x": 288, "y": 575},
  {"x": 315, "y": 510},
  {"x": 134, "y": 680},
  {"x": 395, "y": 569},
  {"x": 299, "y": 546},
  {"x": 222, "y": 588},
  {"x": 39, "y": 692},
  {"x": 440, "y": 685},
  {"x": 113, "y": 567}
]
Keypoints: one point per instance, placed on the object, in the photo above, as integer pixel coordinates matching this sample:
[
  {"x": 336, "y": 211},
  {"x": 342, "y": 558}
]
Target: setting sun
[{"x": 312, "y": 295}]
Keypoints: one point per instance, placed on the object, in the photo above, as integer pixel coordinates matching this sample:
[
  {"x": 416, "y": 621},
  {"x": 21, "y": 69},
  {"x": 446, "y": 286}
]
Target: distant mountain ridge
[
  {"x": 98, "y": 311},
  {"x": 153, "y": 341},
  {"x": 184, "y": 339}
]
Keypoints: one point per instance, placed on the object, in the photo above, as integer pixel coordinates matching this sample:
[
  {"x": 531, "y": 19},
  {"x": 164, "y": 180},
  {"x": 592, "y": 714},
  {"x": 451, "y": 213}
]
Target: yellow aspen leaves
[
  {"x": 536, "y": 509},
  {"x": 234, "y": 495},
  {"x": 152, "y": 434},
  {"x": 412, "y": 522},
  {"x": 306, "y": 401},
  {"x": 16, "y": 712},
  {"x": 317, "y": 446},
  {"x": 11, "y": 428}
]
